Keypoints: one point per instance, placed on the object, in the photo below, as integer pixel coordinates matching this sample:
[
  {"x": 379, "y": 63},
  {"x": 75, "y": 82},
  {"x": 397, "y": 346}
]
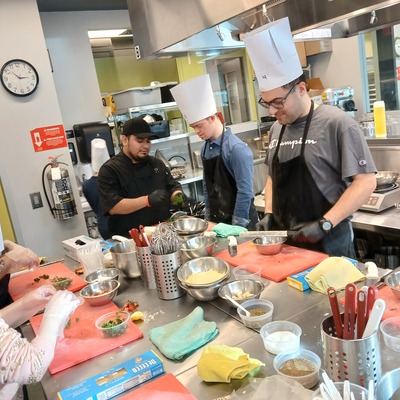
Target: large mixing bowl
[
  {"x": 125, "y": 258},
  {"x": 190, "y": 226},
  {"x": 385, "y": 178},
  {"x": 269, "y": 245},
  {"x": 199, "y": 246},
  {"x": 100, "y": 293},
  {"x": 204, "y": 293}
]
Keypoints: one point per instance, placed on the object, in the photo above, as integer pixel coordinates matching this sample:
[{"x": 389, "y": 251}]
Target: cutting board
[
  {"x": 82, "y": 340},
  {"x": 167, "y": 387},
  {"x": 23, "y": 284},
  {"x": 277, "y": 267}
]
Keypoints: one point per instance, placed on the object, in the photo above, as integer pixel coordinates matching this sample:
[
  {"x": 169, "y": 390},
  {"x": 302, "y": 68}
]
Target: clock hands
[{"x": 15, "y": 74}]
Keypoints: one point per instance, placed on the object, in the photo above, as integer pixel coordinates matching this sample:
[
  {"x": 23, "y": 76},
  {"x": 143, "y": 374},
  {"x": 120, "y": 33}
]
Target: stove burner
[{"x": 387, "y": 188}]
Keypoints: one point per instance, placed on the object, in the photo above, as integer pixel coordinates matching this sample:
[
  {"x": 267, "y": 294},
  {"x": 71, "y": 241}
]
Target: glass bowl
[
  {"x": 390, "y": 329},
  {"x": 113, "y": 324},
  {"x": 256, "y": 321},
  {"x": 280, "y": 336},
  {"x": 247, "y": 271}
]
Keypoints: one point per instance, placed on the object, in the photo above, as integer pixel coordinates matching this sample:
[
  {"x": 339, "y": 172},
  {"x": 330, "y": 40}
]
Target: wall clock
[
  {"x": 397, "y": 46},
  {"x": 19, "y": 77}
]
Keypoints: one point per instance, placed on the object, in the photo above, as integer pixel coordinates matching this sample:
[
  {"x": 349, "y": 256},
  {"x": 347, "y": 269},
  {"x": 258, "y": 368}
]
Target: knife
[{"x": 263, "y": 233}]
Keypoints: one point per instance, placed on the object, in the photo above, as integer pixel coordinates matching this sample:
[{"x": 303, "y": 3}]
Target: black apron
[
  {"x": 221, "y": 187},
  {"x": 296, "y": 199}
]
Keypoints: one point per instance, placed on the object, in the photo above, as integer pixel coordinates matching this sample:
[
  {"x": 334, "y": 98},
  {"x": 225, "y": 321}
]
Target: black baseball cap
[{"x": 138, "y": 127}]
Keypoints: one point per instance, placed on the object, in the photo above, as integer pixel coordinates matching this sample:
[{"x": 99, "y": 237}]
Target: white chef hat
[
  {"x": 273, "y": 54},
  {"x": 195, "y": 98},
  {"x": 99, "y": 154}
]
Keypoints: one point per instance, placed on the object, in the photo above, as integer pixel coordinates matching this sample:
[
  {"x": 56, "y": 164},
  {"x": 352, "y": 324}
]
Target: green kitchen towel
[
  {"x": 180, "y": 338},
  {"x": 225, "y": 230}
]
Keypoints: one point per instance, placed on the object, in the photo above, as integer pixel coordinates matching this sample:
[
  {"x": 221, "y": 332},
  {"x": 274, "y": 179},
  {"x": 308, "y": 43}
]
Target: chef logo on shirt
[{"x": 362, "y": 162}]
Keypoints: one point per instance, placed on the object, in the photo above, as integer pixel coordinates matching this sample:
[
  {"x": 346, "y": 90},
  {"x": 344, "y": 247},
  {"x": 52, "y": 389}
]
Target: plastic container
[
  {"x": 247, "y": 271},
  {"x": 355, "y": 389},
  {"x": 280, "y": 336},
  {"x": 137, "y": 96},
  {"x": 390, "y": 329},
  {"x": 380, "y": 119},
  {"x": 259, "y": 321},
  {"x": 121, "y": 318},
  {"x": 296, "y": 363}
]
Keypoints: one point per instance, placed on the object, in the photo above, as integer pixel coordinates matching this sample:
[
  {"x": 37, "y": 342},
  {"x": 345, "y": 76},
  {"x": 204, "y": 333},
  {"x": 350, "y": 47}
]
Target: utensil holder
[
  {"x": 146, "y": 265},
  {"x": 165, "y": 268},
  {"x": 357, "y": 360}
]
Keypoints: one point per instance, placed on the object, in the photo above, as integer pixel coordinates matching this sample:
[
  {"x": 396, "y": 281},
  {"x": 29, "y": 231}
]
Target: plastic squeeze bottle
[{"x": 380, "y": 119}]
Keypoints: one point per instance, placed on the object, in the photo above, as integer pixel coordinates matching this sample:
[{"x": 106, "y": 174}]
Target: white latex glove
[
  {"x": 21, "y": 310},
  {"x": 21, "y": 257},
  {"x": 57, "y": 312}
]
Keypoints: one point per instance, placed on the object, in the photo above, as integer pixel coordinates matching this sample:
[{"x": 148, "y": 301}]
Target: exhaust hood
[{"x": 174, "y": 27}]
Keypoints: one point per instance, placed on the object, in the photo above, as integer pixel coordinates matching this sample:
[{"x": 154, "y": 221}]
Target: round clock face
[
  {"x": 397, "y": 46},
  {"x": 19, "y": 77}
]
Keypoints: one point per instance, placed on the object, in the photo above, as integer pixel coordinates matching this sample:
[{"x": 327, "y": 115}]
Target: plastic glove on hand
[
  {"x": 39, "y": 297},
  {"x": 20, "y": 256},
  {"x": 266, "y": 223},
  {"x": 158, "y": 197},
  {"x": 57, "y": 312},
  {"x": 307, "y": 233}
]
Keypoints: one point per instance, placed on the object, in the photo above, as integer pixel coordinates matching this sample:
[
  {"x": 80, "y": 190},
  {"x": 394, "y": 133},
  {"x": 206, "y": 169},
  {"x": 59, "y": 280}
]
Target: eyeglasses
[{"x": 277, "y": 103}]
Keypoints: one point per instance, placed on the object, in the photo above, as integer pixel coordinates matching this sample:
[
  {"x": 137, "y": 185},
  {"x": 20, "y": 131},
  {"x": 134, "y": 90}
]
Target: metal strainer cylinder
[{"x": 358, "y": 360}]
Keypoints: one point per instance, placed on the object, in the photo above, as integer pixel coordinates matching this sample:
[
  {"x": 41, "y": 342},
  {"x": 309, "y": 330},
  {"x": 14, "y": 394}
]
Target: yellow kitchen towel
[
  {"x": 220, "y": 363},
  {"x": 334, "y": 272},
  {"x": 182, "y": 337}
]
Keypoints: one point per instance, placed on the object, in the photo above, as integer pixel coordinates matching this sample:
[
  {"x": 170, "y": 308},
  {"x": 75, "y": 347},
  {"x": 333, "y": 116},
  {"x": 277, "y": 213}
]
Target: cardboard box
[
  {"x": 116, "y": 380},
  {"x": 301, "y": 52},
  {"x": 315, "y": 87},
  {"x": 317, "y": 46},
  {"x": 298, "y": 281},
  {"x": 73, "y": 246}
]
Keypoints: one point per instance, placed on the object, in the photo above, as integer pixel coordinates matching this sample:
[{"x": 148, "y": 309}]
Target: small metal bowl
[
  {"x": 190, "y": 226},
  {"x": 269, "y": 245},
  {"x": 203, "y": 264},
  {"x": 241, "y": 290},
  {"x": 393, "y": 281},
  {"x": 103, "y": 275},
  {"x": 204, "y": 293},
  {"x": 91, "y": 292},
  {"x": 200, "y": 246}
]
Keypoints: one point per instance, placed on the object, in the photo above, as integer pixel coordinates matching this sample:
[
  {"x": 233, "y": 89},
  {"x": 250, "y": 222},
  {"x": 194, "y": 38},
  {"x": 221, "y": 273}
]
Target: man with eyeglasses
[
  {"x": 320, "y": 169},
  {"x": 227, "y": 161}
]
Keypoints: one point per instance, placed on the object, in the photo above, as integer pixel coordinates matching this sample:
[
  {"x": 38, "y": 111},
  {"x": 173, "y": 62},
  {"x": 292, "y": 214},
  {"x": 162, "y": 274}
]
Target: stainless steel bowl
[
  {"x": 190, "y": 226},
  {"x": 393, "y": 281},
  {"x": 386, "y": 178},
  {"x": 103, "y": 275},
  {"x": 389, "y": 385},
  {"x": 199, "y": 246},
  {"x": 91, "y": 292},
  {"x": 269, "y": 245},
  {"x": 203, "y": 264},
  {"x": 241, "y": 290},
  {"x": 204, "y": 293},
  {"x": 125, "y": 258}
]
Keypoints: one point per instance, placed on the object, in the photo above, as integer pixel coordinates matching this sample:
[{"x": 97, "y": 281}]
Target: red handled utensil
[
  {"x": 333, "y": 300},
  {"x": 361, "y": 313},
  {"x": 145, "y": 240},
  {"x": 372, "y": 296},
  {"x": 134, "y": 233},
  {"x": 349, "y": 311}
]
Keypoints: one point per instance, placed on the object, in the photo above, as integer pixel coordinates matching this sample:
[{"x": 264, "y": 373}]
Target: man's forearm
[{"x": 127, "y": 206}]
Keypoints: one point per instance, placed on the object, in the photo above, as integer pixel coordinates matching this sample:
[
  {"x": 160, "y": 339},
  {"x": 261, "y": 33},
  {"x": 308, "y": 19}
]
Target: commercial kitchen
[{"x": 73, "y": 87}]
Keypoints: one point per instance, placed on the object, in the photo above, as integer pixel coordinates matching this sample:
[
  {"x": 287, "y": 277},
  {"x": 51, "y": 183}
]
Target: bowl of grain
[{"x": 260, "y": 310}]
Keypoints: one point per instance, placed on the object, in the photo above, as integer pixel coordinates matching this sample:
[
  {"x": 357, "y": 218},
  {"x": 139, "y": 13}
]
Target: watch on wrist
[{"x": 325, "y": 225}]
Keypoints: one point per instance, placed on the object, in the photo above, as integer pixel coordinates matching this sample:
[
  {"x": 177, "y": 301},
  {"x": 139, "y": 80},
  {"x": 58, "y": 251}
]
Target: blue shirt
[{"x": 238, "y": 160}]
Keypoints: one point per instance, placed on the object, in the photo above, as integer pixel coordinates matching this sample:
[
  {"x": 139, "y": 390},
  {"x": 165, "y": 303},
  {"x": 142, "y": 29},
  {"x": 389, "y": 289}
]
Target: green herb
[
  {"x": 114, "y": 327},
  {"x": 61, "y": 283},
  {"x": 44, "y": 276},
  {"x": 178, "y": 200},
  {"x": 68, "y": 324}
]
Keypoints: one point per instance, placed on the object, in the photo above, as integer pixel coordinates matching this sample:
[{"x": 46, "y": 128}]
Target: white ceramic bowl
[
  {"x": 295, "y": 364},
  {"x": 256, "y": 322},
  {"x": 280, "y": 336},
  {"x": 390, "y": 329}
]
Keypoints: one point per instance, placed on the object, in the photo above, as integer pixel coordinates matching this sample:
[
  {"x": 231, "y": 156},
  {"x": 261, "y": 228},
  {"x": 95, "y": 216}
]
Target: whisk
[{"x": 164, "y": 240}]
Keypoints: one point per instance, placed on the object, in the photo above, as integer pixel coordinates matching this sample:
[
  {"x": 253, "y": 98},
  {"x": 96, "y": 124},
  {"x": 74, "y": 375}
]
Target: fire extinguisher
[{"x": 61, "y": 191}]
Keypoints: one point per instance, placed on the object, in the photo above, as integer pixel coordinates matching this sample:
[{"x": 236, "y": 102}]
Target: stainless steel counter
[{"x": 307, "y": 309}]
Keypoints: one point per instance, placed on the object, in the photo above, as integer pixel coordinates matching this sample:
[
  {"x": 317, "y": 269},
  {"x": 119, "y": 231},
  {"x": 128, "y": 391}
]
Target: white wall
[
  {"x": 340, "y": 67},
  {"x": 66, "y": 35},
  {"x": 20, "y": 166}
]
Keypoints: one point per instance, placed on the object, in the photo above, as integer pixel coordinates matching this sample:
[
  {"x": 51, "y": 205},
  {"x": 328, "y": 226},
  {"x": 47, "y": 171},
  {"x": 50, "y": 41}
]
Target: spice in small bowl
[
  {"x": 260, "y": 313},
  {"x": 113, "y": 324}
]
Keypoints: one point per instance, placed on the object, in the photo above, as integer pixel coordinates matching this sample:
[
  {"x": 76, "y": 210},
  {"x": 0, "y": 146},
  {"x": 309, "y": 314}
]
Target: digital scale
[{"x": 382, "y": 199}]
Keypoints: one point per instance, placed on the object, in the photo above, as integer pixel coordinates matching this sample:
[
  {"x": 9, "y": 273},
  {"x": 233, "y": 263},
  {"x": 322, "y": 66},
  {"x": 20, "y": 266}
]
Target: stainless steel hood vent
[{"x": 173, "y": 27}]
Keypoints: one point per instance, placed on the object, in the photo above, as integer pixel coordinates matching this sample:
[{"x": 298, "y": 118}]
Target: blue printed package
[
  {"x": 298, "y": 281},
  {"x": 116, "y": 380}
]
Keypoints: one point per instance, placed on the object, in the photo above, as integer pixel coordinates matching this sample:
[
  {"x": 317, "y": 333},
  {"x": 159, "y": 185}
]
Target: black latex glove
[
  {"x": 307, "y": 233},
  {"x": 158, "y": 197},
  {"x": 266, "y": 223}
]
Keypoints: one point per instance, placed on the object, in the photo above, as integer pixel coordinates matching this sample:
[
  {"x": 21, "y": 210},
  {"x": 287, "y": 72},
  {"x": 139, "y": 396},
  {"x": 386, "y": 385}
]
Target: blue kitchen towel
[
  {"x": 182, "y": 337},
  {"x": 225, "y": 230}
]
